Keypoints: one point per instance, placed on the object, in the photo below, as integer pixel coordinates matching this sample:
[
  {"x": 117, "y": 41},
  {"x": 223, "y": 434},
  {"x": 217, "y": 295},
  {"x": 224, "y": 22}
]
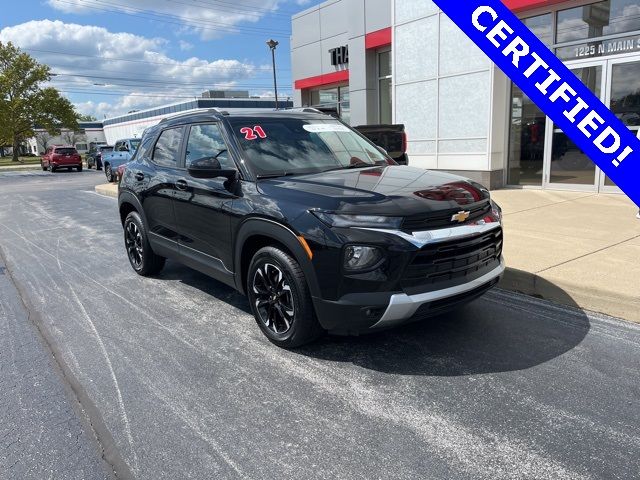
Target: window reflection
[
  {"x": 542, "y": 27},
  {"x": 625, "y": 93},
  {"x": 599, "y": 19},
  {"x": 526, "y": 152}
]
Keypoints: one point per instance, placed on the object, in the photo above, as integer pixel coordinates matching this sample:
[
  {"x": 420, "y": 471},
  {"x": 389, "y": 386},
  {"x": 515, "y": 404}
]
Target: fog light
[{"x": 360, "y": 257}]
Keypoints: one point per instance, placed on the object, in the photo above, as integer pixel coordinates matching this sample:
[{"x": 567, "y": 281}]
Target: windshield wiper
[{"x": 275, "y": 175}]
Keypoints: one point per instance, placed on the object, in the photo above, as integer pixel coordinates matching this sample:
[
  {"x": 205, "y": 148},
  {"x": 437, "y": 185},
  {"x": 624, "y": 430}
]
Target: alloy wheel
[
  {"x": 134, "y": 245},
  {"x": 273, "y": 298}
]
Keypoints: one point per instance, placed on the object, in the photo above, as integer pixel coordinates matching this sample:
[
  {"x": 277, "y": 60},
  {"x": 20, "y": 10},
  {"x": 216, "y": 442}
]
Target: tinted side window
[
  {"x": 206, "y": 142},
  {"x": 167, "y": 148},
  {"x": 145, "y": 147}
]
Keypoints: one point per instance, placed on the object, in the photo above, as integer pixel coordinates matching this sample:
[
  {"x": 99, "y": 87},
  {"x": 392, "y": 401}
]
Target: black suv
[{"x": 315, "y": 224}]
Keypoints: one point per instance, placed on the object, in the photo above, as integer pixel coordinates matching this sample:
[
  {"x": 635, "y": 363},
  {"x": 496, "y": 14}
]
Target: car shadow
[
  {"x": 214, "y": 288},
  {"x": 500, "y": 332}
]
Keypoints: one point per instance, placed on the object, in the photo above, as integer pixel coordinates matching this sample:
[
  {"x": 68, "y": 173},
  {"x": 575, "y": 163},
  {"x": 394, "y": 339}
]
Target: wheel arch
[
  {"x": 127, "y": 203},
  {"x": 256, "y": 233}
]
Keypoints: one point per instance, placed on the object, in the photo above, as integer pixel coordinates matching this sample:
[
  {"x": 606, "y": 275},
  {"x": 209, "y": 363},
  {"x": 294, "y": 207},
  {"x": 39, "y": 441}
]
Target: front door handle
[
  {"x": 181, "y": 185},
  {"x": 139, "y": 176}
]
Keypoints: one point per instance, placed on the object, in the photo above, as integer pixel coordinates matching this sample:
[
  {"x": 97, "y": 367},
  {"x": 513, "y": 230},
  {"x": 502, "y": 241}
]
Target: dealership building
[{"x": 404, "y": 61}]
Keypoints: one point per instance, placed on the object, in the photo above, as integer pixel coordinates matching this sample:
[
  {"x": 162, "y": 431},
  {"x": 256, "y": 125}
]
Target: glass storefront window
[
  {"x": 384, "y": 64},
  {"x": 345, "y": 105},
  {"x": 542, "y": 27},
  {"x": 526, "y": 144},
  {"x": 610, "y": 17},
  {"x": 385, "y": 109},
  {"x": 569, "y": 164},
  {"x": 386, "y": 116}
]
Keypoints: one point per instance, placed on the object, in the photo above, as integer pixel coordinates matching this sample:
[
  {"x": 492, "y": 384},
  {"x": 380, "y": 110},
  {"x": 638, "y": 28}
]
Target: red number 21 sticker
[{"x": 253, "y": 133}]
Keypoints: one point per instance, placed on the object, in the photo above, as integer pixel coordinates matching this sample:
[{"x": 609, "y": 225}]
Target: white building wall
[
  {"x": 446, "y": 92},
  {"x": 90, "y": 135}
]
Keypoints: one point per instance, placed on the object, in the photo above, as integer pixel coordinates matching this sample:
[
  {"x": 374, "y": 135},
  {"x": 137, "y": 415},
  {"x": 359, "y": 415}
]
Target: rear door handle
[
  {"x": 182, "y": 185},
  {"x": 139, "y": 176}
]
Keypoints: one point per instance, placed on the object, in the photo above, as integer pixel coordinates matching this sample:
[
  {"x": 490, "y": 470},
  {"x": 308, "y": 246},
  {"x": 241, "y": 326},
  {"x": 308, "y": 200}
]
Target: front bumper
[
  {"x": 453, "y": 264},
  {"x": 402, "y": 306},
  {"x": 354, "y": 314}
]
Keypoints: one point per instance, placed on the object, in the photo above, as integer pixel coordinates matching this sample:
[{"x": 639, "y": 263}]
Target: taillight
[{"x": 404, "y": 142}]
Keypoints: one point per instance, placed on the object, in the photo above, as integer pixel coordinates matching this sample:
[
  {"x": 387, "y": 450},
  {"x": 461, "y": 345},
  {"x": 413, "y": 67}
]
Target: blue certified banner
[{"x": 552, "y": 87}]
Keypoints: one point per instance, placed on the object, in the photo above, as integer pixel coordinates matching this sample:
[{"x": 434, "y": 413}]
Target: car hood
[{"x": 388, "y": 190}]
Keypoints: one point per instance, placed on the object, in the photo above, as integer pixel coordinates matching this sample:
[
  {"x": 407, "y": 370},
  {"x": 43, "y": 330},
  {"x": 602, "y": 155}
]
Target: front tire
[
  {"x": 280, "y": 299},
  {"x": 136, "y": 240},
  {"x": 109, "y": 173},
  {"x": 80, "y": 168}
]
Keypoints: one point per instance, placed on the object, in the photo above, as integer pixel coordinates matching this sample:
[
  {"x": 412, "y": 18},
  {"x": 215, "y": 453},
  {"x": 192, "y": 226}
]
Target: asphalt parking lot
[{"x": 176, "y": 381}]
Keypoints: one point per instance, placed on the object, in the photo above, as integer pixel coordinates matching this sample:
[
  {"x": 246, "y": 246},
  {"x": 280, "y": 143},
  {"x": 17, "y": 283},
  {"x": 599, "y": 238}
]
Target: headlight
[
  {"x": 496, "y": 210},
  {"x": 360, "y": 257},
  {"x": 371, "y": 221}
]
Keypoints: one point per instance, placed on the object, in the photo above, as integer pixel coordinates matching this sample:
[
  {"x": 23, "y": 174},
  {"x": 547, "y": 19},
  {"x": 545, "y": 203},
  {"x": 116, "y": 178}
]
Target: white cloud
[
  {"x": 121, "y": 63},
  {"x": 185, "y": 46},
  {"x": 209, "y": 20}
]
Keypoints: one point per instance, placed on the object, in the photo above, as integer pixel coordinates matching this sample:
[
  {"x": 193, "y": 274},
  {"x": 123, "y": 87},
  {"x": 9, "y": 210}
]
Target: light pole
[{"x": 272, "y": 44}]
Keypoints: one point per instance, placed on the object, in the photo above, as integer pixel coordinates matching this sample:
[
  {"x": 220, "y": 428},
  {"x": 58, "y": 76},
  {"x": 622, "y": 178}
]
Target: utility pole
[{"x": 272, "y": 44}]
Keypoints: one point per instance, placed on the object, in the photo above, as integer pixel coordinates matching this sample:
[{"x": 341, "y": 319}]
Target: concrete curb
[
  {"x": 572, "y": 295},
  {"x": 108, "y": 190}
]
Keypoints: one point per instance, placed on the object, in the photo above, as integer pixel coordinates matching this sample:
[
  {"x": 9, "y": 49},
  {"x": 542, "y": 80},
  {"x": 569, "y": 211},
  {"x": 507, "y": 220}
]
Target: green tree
[
  {"x": 25, "y": 103},
  {"x": 87, "y": 118}
]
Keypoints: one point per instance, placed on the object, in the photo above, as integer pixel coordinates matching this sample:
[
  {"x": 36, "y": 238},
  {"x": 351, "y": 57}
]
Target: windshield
[
  {"x": 106, "y": 149},
  {"x": 135, "y": 143},
  {"x": 282, "y": 146},
  {"x": 65, "y": 151}
]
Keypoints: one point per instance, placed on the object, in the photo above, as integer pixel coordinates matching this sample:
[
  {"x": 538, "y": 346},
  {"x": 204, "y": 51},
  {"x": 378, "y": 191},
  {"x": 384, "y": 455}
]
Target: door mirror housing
[{"x": 209, "y": 167}]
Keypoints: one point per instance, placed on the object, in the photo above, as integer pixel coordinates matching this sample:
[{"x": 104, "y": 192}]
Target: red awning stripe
[
  {"x": 518, "y": 5},
  {"x": 377, "y": 39},
  {"x": 321, "y": 80}
]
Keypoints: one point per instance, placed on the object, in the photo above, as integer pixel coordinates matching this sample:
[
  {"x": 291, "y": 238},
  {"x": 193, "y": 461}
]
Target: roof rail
[
  {"x": 303, "y": 110},
  {"x": 192, "y": 112}
]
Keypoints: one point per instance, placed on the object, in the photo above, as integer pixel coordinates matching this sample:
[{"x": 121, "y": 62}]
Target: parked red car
[{"x": 61, "y": 157}]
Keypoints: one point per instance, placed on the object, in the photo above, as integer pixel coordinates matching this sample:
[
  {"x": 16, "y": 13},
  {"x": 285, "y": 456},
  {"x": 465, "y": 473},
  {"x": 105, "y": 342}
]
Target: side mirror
[{"x": 209, "y": 167}]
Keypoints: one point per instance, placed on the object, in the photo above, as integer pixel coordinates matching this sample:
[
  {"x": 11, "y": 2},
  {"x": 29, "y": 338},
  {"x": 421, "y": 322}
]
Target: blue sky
[{"x": 113, "y": 56}]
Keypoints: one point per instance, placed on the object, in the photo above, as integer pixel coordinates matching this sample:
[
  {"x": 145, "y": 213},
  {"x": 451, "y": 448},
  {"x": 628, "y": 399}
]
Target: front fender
[{"x": 280, "y": 233}]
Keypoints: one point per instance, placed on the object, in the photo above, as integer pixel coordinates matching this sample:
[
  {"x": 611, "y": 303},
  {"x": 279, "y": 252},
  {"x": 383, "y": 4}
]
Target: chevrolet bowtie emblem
[{"x": 460, "y": 217}]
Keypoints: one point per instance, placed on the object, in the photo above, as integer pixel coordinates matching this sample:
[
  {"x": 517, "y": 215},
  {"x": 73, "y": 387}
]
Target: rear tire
[
  {"x": 142, "y": 258},
  {"x": 80, "y": 168},
  {"x": 280, "y": 299}
]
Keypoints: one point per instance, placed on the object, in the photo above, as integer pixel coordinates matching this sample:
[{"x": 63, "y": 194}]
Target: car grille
[
  {"x": 445, "y": 264},
  {"x": 429, "y": 221}
]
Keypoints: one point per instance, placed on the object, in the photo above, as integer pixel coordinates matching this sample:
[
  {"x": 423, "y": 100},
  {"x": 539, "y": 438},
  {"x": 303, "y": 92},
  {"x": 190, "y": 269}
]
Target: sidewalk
[
  {"x": 108, "y": 190},
  {"x": 578, "y": 249},
  {"x": 584, "y": 244},
  {"x": 20, "y": 166}
]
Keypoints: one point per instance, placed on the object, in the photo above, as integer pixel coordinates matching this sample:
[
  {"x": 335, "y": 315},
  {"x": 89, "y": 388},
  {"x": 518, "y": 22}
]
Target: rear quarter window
[{"x": 66, "y": 151}]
